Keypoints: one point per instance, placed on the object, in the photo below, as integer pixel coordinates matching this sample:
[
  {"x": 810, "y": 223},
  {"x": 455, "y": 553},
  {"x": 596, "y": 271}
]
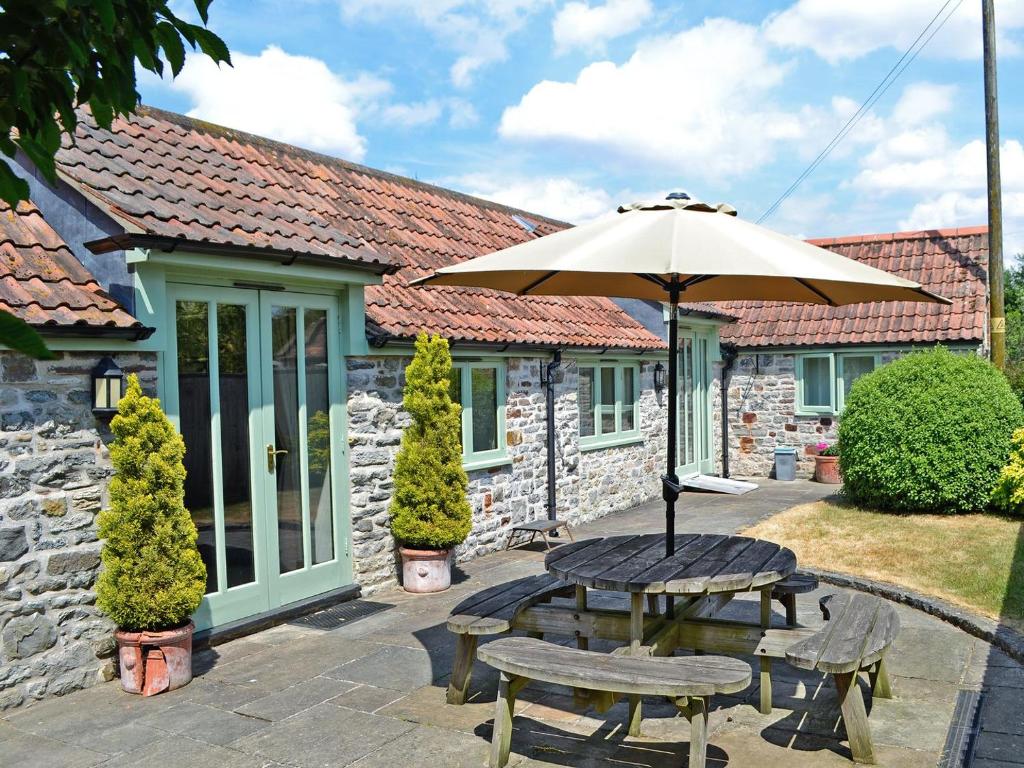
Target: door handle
[{"x": 272, "y": 456}]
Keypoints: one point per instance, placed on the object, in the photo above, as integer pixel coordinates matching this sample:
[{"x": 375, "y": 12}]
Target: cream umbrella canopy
[{"x": 679, "y": 250}]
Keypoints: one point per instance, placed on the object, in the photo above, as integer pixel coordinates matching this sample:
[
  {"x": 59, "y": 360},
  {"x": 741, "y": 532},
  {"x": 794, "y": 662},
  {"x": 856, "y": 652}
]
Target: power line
[{"x": 891, "y": 77}]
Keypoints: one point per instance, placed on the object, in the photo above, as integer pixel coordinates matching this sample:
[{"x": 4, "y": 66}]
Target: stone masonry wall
[
  {"x": 589, "y": 483},
  {"x": 54, "y": 468},
  {"x": 762, "y": 415}
]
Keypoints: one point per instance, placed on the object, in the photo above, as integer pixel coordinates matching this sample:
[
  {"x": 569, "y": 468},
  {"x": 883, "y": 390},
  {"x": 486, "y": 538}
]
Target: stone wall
[
  {"x": 54, "y": 467},
  {"x": 589, "y": 483},
  {"x": 762, "y": 415}
]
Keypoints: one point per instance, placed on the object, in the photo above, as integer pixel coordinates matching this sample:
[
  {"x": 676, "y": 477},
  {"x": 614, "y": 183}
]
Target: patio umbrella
[{"x": 672, "y": 250}]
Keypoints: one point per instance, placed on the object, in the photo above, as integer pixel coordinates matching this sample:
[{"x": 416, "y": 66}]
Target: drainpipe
[
  {"x": 729, "y": 352},
  {"x": 549, "y": 390}
]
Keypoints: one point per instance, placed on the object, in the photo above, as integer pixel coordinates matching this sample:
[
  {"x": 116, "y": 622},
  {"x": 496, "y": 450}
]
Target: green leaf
[
  {"x": 105, "y": 10},
  {"x": 16, "y": 334},
  {"x": 12, "y": 188},
  {"x": 203, "y": 6},
  {"x": 211, "y": 45},
  {"x": 171, "y": 43},
  {"x": 102, "y": 112}
]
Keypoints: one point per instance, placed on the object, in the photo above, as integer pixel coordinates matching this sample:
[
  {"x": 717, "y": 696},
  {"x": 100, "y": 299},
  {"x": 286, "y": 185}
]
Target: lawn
[{"x": 976, "y": 561}]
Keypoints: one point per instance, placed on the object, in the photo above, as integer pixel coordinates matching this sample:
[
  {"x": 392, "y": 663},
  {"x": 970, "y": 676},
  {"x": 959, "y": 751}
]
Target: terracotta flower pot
[
  {"x": 826, "y": 470},
  {"x": 153, "y": 662},
  {"x": 426, "y": 570}
]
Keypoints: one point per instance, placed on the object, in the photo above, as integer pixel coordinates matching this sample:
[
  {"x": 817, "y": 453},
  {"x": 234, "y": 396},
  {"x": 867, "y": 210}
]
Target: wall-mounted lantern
[
  {"x": 107, "y": 387},
  {"x": 659, "y": 377}
]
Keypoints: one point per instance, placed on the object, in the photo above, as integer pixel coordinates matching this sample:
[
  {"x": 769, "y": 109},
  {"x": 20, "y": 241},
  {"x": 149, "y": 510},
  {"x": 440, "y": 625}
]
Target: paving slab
[
  {"x": 184, "y": 751},
  {"x": 202, "y": 723},
  {"x": 392, "y": 666},
  {"x": 295, "y": 699},
  {"x": 367, "y": 698},
  {"x": 427, "y": 747},
  {"x": 24, "y": 749}
]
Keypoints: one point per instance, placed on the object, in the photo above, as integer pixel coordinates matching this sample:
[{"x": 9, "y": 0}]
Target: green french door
[
  {"x": 694, "y": 403},
  {"x": 254, "y": 386}
]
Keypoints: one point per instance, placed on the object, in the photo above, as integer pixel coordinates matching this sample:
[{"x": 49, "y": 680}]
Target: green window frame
[
  {"x": 612, "y": 415},
  {"x": 479, "y": 387},
  {"x": 835, "y": 372}
]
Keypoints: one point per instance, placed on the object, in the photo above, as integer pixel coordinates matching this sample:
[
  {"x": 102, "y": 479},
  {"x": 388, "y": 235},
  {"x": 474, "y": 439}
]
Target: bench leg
[
  {"x": 568, "y": 533},
  {"x": 695, "y": 709},
  {"x": 581, "y": 697},
  {"x": 501, "y": 741},
  {"x": 855, "y": 718},
  {"x": 465, "y": 652},
  {"x": 652, "y": 604},
  {"x": 636, "y": 637},
  {"x": 789, "y": 603},
  {"x": 765, "y": 707},
  {"x": 881, "y": 685}
]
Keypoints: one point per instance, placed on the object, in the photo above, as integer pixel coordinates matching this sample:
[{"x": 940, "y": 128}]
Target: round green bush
[{"x": 927, "y": 433}]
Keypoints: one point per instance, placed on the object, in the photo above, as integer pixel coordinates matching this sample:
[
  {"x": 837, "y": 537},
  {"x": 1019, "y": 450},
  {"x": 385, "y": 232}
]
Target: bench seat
[
  {"x": 690, "y": 681},
  {"x": 859, "y": 629},
  {"x": 492, "y": 611},
  {"x": 785, "y": 592}
]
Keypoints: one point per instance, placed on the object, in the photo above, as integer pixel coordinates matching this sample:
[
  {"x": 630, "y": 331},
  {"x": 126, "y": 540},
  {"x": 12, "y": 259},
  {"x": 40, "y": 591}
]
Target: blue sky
[{"x": 568, "y": 108}]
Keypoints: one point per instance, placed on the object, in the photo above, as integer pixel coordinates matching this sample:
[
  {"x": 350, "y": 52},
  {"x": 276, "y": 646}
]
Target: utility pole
[{"x": 997, "y": 319}]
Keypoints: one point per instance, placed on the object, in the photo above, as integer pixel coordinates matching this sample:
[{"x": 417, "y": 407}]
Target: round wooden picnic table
[{"x": 705, "y": 569}]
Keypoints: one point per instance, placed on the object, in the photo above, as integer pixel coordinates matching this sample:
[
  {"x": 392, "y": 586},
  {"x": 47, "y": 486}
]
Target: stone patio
[{"x": 372, "y": 692}]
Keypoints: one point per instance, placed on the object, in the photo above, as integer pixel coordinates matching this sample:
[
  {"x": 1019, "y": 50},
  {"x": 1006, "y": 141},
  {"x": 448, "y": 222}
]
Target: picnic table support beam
[
  {"x": 855, "y": 718},
  {"x": 501, "y": 743},
  {"x": 465, "y": 653},
  {"x": 766, "y": 662},
  {"x": 581, "y": 697},
  {"x": 636, "y": 638},
  {"x": 881, "y": 685}
]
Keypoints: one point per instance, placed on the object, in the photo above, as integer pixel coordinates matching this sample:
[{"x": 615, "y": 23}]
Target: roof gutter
[
  {"x": 134, "y": 333},
  {"x": 285, "y": 258},
  {"x": 381, "y": 340}
]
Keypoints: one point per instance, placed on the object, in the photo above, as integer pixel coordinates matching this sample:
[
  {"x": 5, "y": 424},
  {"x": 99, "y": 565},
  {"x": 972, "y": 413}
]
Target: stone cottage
[
  {"x": 795, "y": 363},
  {"x": 261, "y": 291}
]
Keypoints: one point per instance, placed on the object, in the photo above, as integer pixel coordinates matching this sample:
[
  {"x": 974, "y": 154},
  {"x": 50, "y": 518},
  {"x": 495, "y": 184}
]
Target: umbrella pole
[{"x": 670, "y": 481}]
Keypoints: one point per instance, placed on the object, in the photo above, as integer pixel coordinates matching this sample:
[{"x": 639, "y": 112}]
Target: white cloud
[
  {"x": 921, "y": 102},
  {"x": 556, "y": 197},
  {"x": 296, "y": 99},
  {"x": 843, "y": 30},
  {"x": 698, "y": 102},
  {"x": 477, "y": 30},
  {"x": 412, "y": 114},
  {"x": 462, "y": 114},
  {"x": 589, "y": 27}
]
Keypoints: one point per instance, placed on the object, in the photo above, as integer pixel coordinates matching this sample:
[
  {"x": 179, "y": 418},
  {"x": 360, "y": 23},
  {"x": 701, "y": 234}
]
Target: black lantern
[
  {"x": 659, "y": 377},
  {"x": 107, "y": 387}
]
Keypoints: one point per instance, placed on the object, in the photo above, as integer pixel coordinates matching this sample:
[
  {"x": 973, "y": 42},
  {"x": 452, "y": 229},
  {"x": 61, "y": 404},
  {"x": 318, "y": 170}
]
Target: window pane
[
  {"x": 855, "y": 366},
  {"x": 283, "y": 332},
  {"x": 485, "y": 409},
  {"x": 607, "y": 400},
  {"x": 193, "y": 334},
  {"x": 233, "y": 383},
  {"x": 817, "y": 384},
  {"x": 318, "y": 437},
  {"x": 628, "y": 399},
  {"x": 586, "y": 401}
]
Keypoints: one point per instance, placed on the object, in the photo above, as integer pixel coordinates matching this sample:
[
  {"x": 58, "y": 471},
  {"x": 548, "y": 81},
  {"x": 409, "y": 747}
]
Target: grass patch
[{"x": 976, "y": 561}]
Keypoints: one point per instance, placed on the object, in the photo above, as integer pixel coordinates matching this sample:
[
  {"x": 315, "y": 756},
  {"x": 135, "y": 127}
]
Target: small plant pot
[
  {"x": 426, "y": 570},
  {"x": 154, "y": 662},
  {"x": 826, "y": 470}
]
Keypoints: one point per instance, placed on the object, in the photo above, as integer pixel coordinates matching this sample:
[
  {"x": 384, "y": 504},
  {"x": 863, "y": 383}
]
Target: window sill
[
  {"x": 612, "y": 441},
  {"x": 486, "y": 463},
  {"x": 815, "y": 413}
]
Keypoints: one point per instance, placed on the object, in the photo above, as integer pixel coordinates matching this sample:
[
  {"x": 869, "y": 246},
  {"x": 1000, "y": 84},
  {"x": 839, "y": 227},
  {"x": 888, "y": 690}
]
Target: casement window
[
  {"x": 609, "y": 403},
  {"x": 480, "y": 389},
  {"x": 823, "y": 380}
]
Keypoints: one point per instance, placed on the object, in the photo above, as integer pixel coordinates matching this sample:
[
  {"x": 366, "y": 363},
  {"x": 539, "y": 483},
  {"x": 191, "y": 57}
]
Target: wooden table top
[{"x": 702, "y": 563}]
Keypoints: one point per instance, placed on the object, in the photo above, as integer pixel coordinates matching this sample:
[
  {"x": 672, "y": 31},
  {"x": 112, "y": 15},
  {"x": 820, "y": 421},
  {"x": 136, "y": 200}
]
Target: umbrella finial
[{"x": 677, "y": 196}]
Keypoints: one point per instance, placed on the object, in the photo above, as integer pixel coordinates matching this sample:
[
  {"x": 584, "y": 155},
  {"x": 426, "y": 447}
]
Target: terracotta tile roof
[
  {"x": 950, "y": 262},
  {"x": 167, "y": 175},
  {"x": 43, "y": 283}
]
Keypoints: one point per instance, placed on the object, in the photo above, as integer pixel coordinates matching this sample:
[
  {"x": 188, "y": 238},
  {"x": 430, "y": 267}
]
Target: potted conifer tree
[
  {"x": 152, "y": 578},
  {"x": 430, "y": 513}
]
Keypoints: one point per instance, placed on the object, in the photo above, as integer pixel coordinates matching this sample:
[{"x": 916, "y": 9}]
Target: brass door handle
[{"x": 272, "y": 456}]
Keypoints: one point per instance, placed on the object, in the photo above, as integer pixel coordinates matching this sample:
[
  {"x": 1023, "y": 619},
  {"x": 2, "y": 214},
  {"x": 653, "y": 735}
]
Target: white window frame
[
  {"x": 837, "y": 368},
  {"x": 618, "y": 436},
  {"x": 471, "y": 458}
]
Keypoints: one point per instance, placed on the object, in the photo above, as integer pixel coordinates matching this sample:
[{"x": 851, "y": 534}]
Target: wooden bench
[
  {"x": 785, "y": 592},
  {"x": 689, "y": 681},
  {"x": 859, "y": 629},
  {"x": 543, "y": 527},
  {"x": 492, "y": 612}
]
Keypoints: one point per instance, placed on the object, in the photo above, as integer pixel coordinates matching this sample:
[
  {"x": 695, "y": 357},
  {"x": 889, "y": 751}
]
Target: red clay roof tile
[
  {"x": 173, "y": 176},
  {"x": 950, "y": 262},
  {"x": 43, "y": 283}
]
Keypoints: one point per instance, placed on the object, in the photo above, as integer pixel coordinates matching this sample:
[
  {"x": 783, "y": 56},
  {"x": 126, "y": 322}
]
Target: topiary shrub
[
  {"x": 927, "y": 433},
  {"x": 1008, "y": 495},
  {"x": 152, "y": 576},
  {"x": 429, "y": 509}
]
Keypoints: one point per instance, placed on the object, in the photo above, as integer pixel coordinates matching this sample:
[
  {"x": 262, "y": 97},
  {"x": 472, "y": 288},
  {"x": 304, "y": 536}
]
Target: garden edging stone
[{"x": 1009, "y": 641}]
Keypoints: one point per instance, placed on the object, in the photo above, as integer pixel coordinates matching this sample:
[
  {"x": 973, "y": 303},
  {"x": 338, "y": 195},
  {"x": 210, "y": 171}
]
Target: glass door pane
[
  {"x": 285, "y": 454},
  {"x": 318, "y": 437},
  {"x": 686, "y": 389}
]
